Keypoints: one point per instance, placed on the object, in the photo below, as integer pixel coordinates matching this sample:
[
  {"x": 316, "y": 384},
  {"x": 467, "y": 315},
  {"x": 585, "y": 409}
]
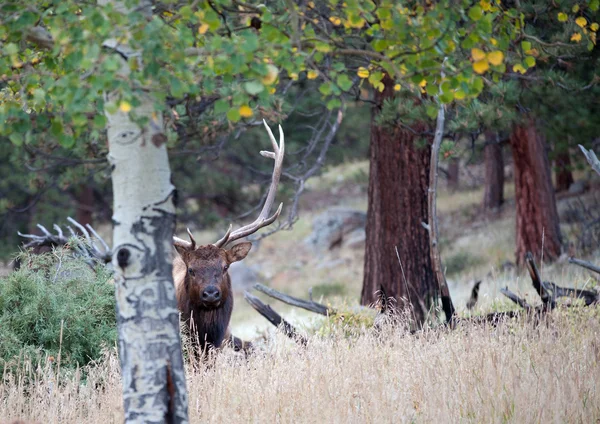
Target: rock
[
  {"x": 331, "y": 227},
  {"x": 578, "y": 187},
  {"x": 356, "y": 239},
  {"x": 243, "y": 276}
]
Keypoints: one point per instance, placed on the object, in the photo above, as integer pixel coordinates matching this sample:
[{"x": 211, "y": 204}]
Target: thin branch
[
  {"x": 519, "y": 301},
  {"x": 309, "y": 305},
  {"x": 585, "y": 264}
]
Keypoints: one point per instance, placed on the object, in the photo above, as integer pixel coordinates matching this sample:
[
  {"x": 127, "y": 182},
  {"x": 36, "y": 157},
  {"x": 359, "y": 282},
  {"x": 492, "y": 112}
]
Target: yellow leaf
[
  {"x": 380, "y": 87},
  {"x": 272, "y": 90},
  {"x": 581, "y": 21},
  {"x": 397, "y": 87},
  {"x": 477, "y": 55},
  {"x": 363, "y": 72},
  {"x": 481, "y": 66},
  {"x": 124, "y": 106},
  {"x": 575, "y": 8},
  {"x": 245, "y": 111},
  {"x": 335, "y": 20},
  {"x": 423, "y": 83},
  {"x": 594, "y": 26},
  {"x": 312, "y": 74},
  {"x": 271, "y": 77},
  {"x": 496, "y": 57},
  {"x": 576, "y": 37},
  {"x": 294, "y": 76},
  {"x": 202, "y": 29},
  {"x": 562, "y": 17},
  {"x": 459, "y": 94},
  {"x": 519, "y": 68},
  {"x": 485, "y": 5},
  {"x": 493, "y": 41}
]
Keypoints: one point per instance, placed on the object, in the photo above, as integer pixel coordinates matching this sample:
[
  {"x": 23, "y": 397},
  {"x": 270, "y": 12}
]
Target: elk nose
[{"x": 211, "y": 294}]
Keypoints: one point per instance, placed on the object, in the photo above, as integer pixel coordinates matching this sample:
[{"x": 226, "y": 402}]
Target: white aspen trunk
[{"x": 154, "y": 389}]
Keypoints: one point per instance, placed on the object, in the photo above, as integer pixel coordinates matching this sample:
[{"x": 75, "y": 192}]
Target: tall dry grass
[{"x": 515, "y": 373}]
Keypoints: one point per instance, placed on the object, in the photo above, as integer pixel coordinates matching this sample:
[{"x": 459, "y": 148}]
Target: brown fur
[{"x": 208, "y": 324}]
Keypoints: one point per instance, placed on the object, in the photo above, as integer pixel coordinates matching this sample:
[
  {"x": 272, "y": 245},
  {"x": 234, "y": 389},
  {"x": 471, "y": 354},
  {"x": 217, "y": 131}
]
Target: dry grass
[{"x": 515, "y": 373}]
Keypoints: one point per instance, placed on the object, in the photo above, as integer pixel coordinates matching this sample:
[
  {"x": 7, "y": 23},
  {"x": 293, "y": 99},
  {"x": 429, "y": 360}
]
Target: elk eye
[
  {"x": 225, "y": 268},
  {"x": 191, "y": 272}
]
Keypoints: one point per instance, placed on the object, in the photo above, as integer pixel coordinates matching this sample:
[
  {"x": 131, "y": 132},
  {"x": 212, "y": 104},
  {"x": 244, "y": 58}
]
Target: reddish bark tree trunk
[
  {"x": 564, "y": 176},
  {"x": 493, "y": 196},
  {"x": 453, "y": 174},
  {"x": 537, "y": 218},
  {"x": 85, "y": 204},
  {"x": 398, "y": 184}
]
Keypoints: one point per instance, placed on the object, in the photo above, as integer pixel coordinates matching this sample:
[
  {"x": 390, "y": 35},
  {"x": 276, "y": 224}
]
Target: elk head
[{"x": 206, "y": 281}]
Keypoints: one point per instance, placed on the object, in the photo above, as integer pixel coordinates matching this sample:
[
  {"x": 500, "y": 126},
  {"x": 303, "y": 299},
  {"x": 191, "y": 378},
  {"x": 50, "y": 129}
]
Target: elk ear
[
  {"x": 239, "y": 251},
  {"x": 182, "y": 249}
]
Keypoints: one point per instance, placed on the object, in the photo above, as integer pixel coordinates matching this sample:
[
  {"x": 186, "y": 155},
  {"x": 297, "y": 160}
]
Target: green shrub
[
  {"x": 51, "y": 291},
  {"x": 460, "y": 261}
]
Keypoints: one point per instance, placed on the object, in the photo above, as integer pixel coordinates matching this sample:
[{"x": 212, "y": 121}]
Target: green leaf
[
  {"x": 526, "y": 46},
  {"x": 234, "y": 114},
  {"x": 100, "y": 121},
  {"x": 56, "y": 128},
  {"x": 221, "y": 106},
  {"x": 594, "y": 5},
  {"x": 253, "y": 87},
  {"x": 325, "y": 89},
  {"x": 431, "y": 111},
  {"x": 475, "y": 13},
  {"x": 529, "y": 61},
  {"x": 447, "y": 97},
  {"x": 432, "y": 89},
  {"x": 333, "y": 103},
  {"x": 344, "y": 82},
  {"x": 16, "y": 139}
]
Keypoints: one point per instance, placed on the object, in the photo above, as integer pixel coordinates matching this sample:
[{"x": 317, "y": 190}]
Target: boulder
[
  {"x": 243, "y": 276},
  {"x": 332, "y": 227}
]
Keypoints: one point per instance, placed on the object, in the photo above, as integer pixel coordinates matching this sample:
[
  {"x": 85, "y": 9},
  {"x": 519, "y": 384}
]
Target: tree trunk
[
  {"x": 453, "y": 174},
  {"x": 493, "y": 196},
  {"x": 538, "y": 228},
  {"x": 564, "y": 176},
  {"x": 153, "y": 377},
  {"x": 85, "y": 204},
  {"x": 398, "y": 185}
]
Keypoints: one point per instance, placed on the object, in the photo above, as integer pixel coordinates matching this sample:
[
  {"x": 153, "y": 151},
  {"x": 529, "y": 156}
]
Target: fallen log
[
  {"x": 584, "y": 264},
  {"x": 274, "y": 318},
  {"x": 309, "y": 305}
]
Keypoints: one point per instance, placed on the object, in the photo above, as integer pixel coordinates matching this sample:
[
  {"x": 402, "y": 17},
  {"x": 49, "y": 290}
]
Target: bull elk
[{"x": 202, "y": 283}]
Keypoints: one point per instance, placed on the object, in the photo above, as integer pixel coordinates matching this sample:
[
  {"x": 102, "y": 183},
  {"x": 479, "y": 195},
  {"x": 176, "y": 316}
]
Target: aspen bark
[{"x": 154, "y": 389}]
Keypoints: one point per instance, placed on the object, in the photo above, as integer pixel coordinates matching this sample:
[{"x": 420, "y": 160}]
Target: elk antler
[
  {"x": 89, "y": 251},
  {"x": 263, "y": 218}
]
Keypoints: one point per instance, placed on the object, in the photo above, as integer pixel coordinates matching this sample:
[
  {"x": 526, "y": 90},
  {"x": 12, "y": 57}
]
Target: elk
[{"x": 202, "y": 283}]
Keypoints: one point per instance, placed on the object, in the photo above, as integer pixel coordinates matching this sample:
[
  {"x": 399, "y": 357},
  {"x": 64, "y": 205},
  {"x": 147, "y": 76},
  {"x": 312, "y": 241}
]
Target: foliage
[{"x": 50, "y": 294}]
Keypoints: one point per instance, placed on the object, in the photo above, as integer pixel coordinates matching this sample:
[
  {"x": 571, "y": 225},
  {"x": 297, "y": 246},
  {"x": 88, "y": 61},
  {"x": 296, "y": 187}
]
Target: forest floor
[
  {"x": 516, "y": 372},
  {"x": 474, "y": 247}
]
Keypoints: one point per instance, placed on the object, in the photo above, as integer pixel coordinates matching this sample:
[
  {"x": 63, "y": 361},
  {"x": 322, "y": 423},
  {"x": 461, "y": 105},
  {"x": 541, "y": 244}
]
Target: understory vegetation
[
  {"x": 516, "y": 372},
  {"x": 55, "y": 308}
]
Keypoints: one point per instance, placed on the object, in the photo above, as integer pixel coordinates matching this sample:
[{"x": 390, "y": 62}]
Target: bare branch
[
  {"x": 309, "y": 305},
  {"x": 585, "y": 264},
  {"x": 591, "y": 158},
  {"x": 274, "y": 318}
]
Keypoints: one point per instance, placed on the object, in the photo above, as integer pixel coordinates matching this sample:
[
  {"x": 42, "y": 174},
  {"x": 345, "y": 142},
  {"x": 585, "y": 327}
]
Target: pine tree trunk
[
  {"x": 564, "y": 176},
  {"x": 85, "y": 204},
  {"x": 493, "y": 196},
  {"x": 153, "y": 377},
  {"x": 537, "y": 217},
  {"x": 398, "y": 185},
  {"x": 453, "y": 174}
]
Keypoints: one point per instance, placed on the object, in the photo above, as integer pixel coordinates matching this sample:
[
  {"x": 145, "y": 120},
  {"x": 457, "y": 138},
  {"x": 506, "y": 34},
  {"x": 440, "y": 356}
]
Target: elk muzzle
[{"x": 211, "y": 296}]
